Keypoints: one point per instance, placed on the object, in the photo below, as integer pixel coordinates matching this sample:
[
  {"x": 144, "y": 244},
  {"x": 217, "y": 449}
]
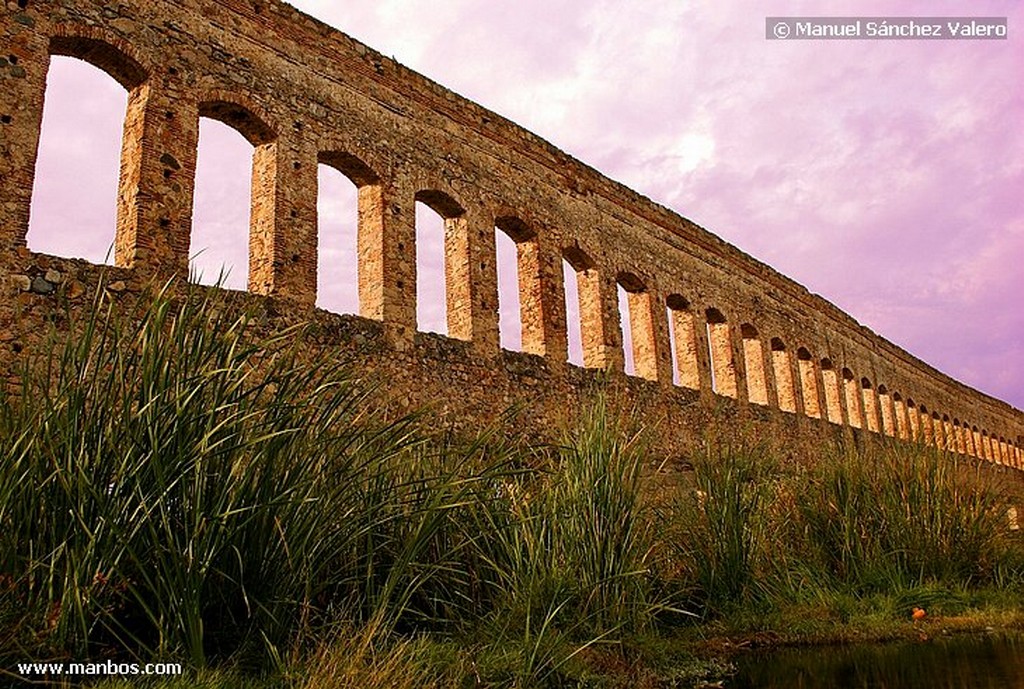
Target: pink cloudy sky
[{"x": 885, "y": 176}]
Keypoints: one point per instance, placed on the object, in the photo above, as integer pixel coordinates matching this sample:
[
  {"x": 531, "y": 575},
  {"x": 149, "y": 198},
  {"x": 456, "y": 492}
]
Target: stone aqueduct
[{"x": 713, "y": 329}]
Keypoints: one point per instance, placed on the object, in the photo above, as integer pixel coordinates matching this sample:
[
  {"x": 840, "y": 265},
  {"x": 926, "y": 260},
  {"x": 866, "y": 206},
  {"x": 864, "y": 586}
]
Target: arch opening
[
  {"x": 440, "y": 241},
  {"x": 84, "y": 164}
]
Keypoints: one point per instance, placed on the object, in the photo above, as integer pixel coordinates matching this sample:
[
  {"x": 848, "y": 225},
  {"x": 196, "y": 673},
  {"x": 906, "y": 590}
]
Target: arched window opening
[
  {"x": 957, "y": 443},
  {"x": 977, "y": 449},
  {"x": 74, "y": 211},
  {"x": 808, "y": 383},
  {"x": 870, "y": 405},
  {"x": 637, "y": 327},
  {"x": 853, "y": 399},
  {"x": 574, "y": 329},
  {"x": 986, "y": 445},
  {"x": 885, "y": 406},
  {"x": 510, "y": 320},
  {"x": 783, "y": 376},
  {"x": 685, "y": 369},
  {"x": 348, "y": 205},
  {"x": 440, "y": 242},
  {"x": 830, "y": 381},
  {"x": 723, "y": 370},
  {"x": 519, "y": 291},
  {"x": 753, "y": 362},
  {"x": 219, "y": 248},
  {"x": 583, "y": 309}
]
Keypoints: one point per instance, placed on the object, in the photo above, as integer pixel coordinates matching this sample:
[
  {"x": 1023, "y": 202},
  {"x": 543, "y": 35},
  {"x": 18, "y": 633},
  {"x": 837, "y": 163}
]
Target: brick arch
[
  {"x": 350, "y": 165},
  {"x": 103, "y": 50},
  {"x": 238, "y": 112},
  {"x": 119, "y": 60},
  {"x": 535, "y": 337},
  {"x": 442, "y": 203},
  {"x": 515, "y": 227},
  {"x": 369, "y": 228}
]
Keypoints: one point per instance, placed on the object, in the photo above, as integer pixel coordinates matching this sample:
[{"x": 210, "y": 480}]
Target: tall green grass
[
  {"x": 176, "y": 483},
  {"x": 901, "y": 516}
]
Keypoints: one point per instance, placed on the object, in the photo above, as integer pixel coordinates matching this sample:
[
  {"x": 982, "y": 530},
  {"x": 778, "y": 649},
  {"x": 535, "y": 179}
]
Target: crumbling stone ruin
[{"x": 714, "y": 331}]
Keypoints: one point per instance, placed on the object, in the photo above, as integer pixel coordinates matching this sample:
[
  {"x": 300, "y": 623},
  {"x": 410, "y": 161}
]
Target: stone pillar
[
  {"x": 22, "y": 89},
  {"x": 662, "y": 340},
  {"x": 472, "y": 280},
  {"x": 545, "y": 331},
  {"x": 283, "y": 260},
  {"x": 387, "y": 257},
  {"x": 692, "y": 374},
  {"x": 645, "y": 349}
]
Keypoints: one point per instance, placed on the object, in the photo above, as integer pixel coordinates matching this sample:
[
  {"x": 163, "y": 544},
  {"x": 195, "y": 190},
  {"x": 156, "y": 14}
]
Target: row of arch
[{"x": 653, "y": 336}]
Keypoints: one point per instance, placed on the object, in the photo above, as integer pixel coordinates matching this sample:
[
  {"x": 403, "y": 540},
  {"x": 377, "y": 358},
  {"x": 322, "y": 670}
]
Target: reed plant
[{"x": 902, "y": 515}]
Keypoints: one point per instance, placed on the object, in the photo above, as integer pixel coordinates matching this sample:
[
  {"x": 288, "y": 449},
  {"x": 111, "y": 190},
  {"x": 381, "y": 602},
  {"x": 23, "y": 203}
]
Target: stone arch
[
  {"x": 636, "y": 298},
  {"x": 103, "y": 50},
  {"x": 719, "y": 339},
  {"x": 783, "y": 371},
  {"x": 253, "y": 123},
  {"x": 368, "y": 226},
  {"x": 808, "y": 383},
  {"x": 118, "y": 60},
  {"x": 239, "y": 113},
  {"x": 527, "y": 278},
  {"x": 454, "y": 266},
  {"x": 753, "y": 364},
  {"x": 686, "y": 366}
]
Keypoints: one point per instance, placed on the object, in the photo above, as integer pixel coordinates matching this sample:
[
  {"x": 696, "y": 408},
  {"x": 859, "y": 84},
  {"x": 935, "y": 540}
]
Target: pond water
[{"x": 961, "y": 662}]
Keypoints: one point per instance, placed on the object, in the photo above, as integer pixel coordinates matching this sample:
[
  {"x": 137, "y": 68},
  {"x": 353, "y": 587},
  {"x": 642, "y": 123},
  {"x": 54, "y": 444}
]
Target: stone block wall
[{"x": 712, "y": 328}]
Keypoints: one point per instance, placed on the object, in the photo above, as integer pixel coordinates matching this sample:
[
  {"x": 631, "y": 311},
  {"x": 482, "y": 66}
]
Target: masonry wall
[{"x": 749, "y": 343}]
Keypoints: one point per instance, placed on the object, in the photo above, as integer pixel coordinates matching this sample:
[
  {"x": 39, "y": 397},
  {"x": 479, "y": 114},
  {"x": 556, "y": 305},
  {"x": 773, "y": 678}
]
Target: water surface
[{"x": 960, "y": 662}]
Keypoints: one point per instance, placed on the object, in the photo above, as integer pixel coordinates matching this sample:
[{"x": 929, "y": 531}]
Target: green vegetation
[{"x": 177, "y": 485}]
